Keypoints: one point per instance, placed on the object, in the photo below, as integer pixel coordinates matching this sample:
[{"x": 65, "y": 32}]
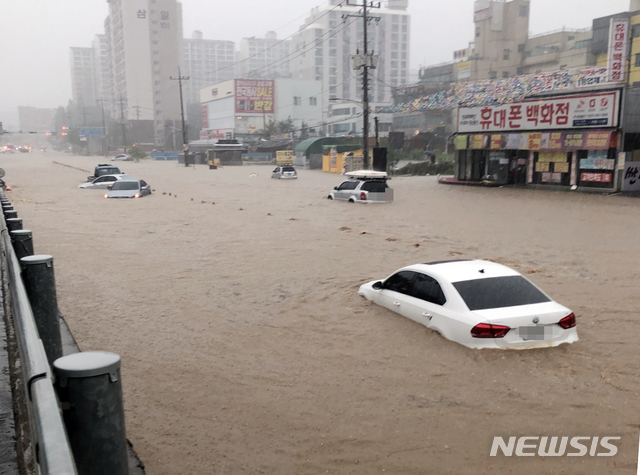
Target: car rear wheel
[
  {"x": 329, "y": 197},
  {"x": 351, "y": 200}
]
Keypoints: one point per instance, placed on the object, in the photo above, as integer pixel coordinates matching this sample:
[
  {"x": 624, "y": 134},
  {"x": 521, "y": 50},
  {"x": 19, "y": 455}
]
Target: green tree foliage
[{"x": 137, "y": 153}]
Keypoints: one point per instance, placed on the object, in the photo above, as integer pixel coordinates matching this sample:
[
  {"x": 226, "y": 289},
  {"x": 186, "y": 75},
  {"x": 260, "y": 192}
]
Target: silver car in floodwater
[
  {"x": 363, "y": 186},
  {"x": 103, "y": 182},
  {"x": 128, "y": 189}
]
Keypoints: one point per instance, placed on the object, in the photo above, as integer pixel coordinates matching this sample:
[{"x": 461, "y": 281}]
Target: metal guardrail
[{"x": 49, "y": 439}]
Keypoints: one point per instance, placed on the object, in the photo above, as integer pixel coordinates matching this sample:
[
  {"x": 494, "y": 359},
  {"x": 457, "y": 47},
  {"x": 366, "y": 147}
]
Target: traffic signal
[{"x": 48, "y": 133}]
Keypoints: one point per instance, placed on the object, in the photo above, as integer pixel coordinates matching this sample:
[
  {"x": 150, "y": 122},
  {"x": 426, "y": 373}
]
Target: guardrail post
[
  {"x": 10, "y": 213},
  {"x": 90, "y": 390},
  {"x": 6, "y": 206},
  {"x": 13, "y": 224},
  {"x": 22, "y": 240},
  {"x": 40, "y": 283}
]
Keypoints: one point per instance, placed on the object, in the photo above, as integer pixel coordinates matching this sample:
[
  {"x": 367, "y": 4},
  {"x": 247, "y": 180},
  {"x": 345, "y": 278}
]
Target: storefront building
[{"x": 570, "y": 140}]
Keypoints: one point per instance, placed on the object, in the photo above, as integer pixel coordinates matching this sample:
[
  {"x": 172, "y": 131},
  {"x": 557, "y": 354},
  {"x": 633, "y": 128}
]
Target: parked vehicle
[
  {"x": 476, "y": 303},
  {"x": 286, "y": 172},
  {"x": 104, "y": 181},
  {"x": 122, "y": 157},
  {"x": 363, "y": 186},
  {"x": 104, "y": 169},
  {"x": 128, "y": 189}
]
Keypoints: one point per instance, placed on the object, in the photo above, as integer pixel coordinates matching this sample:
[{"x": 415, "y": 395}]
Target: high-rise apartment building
[
  {"x": 206, "y": 62},
  {"x": 144, "y": 44},
  {"x": 83, "y": 76},
  {"x": 266, "y": 57},
  {"x": 101, "y": 70},
  {"x": 323, "y": 47}
]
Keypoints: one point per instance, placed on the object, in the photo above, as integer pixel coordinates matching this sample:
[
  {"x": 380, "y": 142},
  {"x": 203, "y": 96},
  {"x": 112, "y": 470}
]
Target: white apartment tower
[
  {"x": 264, "y": 58},
  {"x": 101, "y": 68},
  {"x": 144, "y": 43},
  {"x": 324, "y": 44},
  {"x": 83, "y": 76},
  {"x": 206, "y": 62}
]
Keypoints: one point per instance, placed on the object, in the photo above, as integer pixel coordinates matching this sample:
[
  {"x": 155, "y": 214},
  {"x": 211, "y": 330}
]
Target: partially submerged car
[
  {"x": 284, "y": 172},
  {"x": 133, "y": 188},
  {"x": 476, "y": 303},
  {"x": 104, "y": 181},
  {"x": 104, "y": 169},
  {"x": 363, "y": 186},
  {"x": 122, "y": 157}
]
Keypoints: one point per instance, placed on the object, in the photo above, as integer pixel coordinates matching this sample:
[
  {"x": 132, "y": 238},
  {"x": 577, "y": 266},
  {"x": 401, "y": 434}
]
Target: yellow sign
[
  {"x": 284, "y": 157},
  {"x": 461, "y": 142}
]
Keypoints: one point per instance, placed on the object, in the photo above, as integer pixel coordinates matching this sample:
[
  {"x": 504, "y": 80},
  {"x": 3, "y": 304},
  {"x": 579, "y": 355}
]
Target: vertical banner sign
[
  {"x": 530, "y": 167},
  {"x": 574, "y": 168},
  {"x": 618, "y": 49},
  {"x": 205, "y": 116}
]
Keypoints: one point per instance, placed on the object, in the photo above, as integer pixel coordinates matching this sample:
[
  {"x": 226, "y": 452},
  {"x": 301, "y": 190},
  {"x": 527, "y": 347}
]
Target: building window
[
  {"x": 505, "y": 54},
  {"x": 477, "y": 32},
  {"x": 313, "y": 101},
  {"x": 297, "y": 100},
  {"x": 521, "y": 48},
  {"x": 493, "y": 75},
  {"x": 635, "y": 31},
  {"x": 505, "y": 74},
  {"x": 524, "y": 10},
  {"x": 637, "y": 60}
]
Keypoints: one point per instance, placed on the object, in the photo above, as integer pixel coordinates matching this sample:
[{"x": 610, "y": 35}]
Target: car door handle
[
  {"x": 428, "y": 315},
  {"x": 397, "y": 304}
]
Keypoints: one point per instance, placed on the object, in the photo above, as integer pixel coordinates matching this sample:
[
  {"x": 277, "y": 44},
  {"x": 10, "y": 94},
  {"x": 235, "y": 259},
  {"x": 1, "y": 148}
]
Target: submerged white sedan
[{"x": 479, "y": 304}]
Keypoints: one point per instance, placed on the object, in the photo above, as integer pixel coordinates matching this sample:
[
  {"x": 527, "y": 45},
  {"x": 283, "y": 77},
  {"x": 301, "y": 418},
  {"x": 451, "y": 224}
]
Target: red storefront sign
[{"x": 595, "y": 177}]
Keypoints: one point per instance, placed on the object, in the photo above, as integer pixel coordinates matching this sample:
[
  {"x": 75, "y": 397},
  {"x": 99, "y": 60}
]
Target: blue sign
[{"x": 91, "y": 131}]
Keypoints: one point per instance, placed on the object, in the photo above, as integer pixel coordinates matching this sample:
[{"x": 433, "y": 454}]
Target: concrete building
[
  {"x": 243, "y": 108},
  {"x": 83, "y": 76},
  {"x": 205, "y": 62},
  {"x": 101, "y": 70},
  {"x": 144, "y": 45},
  {"x": 265, "y": 57},
  {"x": 324, "y": 44},
  {"x": 33, "y": 119}
]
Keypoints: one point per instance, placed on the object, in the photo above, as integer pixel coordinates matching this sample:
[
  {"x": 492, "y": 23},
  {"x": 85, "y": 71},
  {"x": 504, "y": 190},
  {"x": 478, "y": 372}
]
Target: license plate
[{"x": 537, "y": 332}]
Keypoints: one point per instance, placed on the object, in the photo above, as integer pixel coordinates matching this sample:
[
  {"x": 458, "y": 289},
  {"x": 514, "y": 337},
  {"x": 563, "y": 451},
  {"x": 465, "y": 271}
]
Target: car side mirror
[
  {"x": 91, "y": 178},
  {"x": 377, "y": 285},
  {"x": 335, "y": 187},
  {"x": 109, "y": 187}
]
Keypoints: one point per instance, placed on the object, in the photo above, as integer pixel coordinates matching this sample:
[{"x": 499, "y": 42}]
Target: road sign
[{"x": 91, "y": 131}]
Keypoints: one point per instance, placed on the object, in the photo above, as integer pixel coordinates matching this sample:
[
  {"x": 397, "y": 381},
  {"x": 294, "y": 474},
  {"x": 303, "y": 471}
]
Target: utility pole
[
  {"x": 124, "y": 134},
  {"x": 367, "y": 62},
  {"x": 136, "y": 130},
  {"x": 185, "y": 140},
  {"x": 377, "y": 132},
  {"x": 104, "y": 126}
]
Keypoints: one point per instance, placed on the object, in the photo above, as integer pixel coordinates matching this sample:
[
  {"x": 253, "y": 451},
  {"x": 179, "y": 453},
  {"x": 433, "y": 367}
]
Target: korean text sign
[
  {"x": 565, "y": 112},
  {"x": 618, "y": 41},
  {"x": 254, "y": 96}
]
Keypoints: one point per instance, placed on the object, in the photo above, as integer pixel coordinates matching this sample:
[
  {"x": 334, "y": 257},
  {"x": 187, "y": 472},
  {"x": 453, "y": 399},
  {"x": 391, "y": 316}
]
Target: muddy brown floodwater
[{"x": 246, "y": 348}]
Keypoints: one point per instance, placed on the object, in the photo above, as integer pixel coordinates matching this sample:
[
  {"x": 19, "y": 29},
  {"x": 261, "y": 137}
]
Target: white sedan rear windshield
[
  {"x": 125, "y": 185},
  {"x": 499, "y": 292}
]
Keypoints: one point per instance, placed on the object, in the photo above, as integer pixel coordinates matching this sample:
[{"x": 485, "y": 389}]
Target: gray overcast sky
[{"x": 35, "y": 35}]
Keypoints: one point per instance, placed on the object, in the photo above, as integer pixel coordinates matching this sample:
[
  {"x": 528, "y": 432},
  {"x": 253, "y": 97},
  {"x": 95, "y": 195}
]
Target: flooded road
[{"x": 232, "y": 300}]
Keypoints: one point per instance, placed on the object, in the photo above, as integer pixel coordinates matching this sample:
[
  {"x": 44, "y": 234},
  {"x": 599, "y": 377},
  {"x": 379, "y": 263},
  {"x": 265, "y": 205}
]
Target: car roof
[
  {"x": 120, "y": 176},
  {"x": 461, "y": 270}
]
